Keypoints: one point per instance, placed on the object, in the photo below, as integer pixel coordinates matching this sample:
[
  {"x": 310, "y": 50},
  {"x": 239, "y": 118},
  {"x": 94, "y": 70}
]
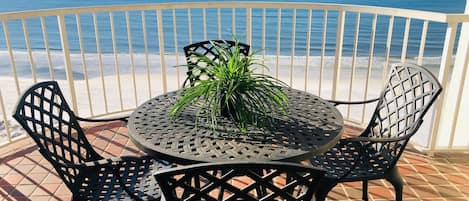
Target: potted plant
[{"x": 234, "y": 90}]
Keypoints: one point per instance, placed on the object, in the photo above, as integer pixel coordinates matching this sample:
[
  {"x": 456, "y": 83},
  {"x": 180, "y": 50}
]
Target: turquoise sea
[{"x": 451, "y": 6}]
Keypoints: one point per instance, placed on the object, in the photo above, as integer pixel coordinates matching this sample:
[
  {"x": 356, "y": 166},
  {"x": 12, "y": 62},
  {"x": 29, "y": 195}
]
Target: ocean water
[
  {"x": 434, "y": 41},
  {"x": 450, "y": 6}
]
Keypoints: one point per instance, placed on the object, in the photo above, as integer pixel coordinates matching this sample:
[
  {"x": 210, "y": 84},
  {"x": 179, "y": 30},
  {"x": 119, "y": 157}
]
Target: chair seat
[
  {"x": 109, "y": 188},
  {"x": 340, "y": 159}
]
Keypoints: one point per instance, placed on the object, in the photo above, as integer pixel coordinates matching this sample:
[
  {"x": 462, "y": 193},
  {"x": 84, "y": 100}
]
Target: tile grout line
[
  {"x": 449, "y": 181},
  {"x": 425, "y": 179}
]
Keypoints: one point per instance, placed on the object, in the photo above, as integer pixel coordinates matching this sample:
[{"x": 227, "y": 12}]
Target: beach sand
[{"x": 138, "y": 87}]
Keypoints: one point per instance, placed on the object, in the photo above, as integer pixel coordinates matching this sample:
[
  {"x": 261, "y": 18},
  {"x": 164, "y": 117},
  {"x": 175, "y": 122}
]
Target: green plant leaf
[{"x": 234, "y": 88}]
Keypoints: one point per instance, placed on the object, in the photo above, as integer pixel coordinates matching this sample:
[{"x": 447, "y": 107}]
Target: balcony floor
[{"x": 26, "y": 175}]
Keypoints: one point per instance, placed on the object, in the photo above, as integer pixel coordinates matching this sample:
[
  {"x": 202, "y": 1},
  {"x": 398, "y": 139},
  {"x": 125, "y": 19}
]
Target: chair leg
[
  {"x": 396, "y": 180},
  {"x": 365, "y": 190},
  {"x": 324, "y": 188}
]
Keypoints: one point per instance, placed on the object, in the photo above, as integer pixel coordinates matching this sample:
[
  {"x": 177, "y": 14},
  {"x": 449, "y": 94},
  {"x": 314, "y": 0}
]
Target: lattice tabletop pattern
[{"x": 311, "y": 127}]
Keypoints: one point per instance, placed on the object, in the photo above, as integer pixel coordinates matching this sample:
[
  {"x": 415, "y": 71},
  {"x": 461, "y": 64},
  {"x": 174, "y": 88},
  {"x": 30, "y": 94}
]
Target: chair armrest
[
  {"x": 115, "y": 162},
  {"x": 412, "y": 131},
  {"x": 107, "y": 163},
  {"x": 336, "y": 102},
  {"x": 124, "y": 118},
  {"x": 376, "y": 140}
]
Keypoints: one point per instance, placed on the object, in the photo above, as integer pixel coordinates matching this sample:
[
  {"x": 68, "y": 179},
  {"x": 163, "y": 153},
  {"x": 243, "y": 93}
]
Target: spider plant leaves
[{"x": 233, "y": 90}]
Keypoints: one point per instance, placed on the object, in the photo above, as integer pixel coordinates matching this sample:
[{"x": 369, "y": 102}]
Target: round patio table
[{"x": 311, "y": 126}]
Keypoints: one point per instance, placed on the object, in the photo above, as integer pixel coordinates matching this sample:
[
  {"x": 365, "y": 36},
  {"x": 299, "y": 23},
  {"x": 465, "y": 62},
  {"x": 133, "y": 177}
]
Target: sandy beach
[{"x": 138, "y": 85}]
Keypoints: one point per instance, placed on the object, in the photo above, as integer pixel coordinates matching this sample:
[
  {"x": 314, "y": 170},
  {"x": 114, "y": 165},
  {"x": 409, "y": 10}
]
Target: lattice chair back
[
  {"x": 43, "y": 112},
  {"x": 407, "y": 96},
  {"x": 208, "y": 49},
  {"x": 240, "y": 181}
]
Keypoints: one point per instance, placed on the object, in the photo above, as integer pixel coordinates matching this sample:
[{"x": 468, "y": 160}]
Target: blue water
[
  {"x": 434, "y": 43},
  {"x": 450, "y": 6}
]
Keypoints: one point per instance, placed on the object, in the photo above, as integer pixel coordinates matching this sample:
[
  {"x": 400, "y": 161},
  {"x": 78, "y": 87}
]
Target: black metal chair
[
  {"x": 240, "y": 181},
  {"x": 207, "y": 48},
  {"x": 407, "y": 96},
  {"x": 43, "y": 112}
]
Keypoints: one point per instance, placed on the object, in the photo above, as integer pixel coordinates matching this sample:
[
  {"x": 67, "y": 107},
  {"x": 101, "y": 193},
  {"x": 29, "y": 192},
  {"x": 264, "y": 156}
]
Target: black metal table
[{"x": 312, "y": 126}]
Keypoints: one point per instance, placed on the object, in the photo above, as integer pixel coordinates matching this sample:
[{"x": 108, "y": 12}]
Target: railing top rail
[
  {"x": 397, "y": 12},
  {"x": 455, "y": 18}
]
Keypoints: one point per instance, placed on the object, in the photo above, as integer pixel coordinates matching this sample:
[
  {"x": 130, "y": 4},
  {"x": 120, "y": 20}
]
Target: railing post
[
  {"x": 161, "y": 43},
  {"x": 248, "y": 25},
  {"x": 457, "y": 86},
  {"x": 67, "y": 62},
  {"x": 454, "y": 92},
  {"x": 338, "y": 52},
  {"x": 446, "y": 59}
]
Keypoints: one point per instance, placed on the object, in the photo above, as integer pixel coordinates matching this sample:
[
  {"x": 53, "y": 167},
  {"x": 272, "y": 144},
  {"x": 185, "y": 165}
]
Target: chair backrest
[
  {"x": 209, "y": 49},
  {"x": 43, "y": 112},
  {"x": 407, "y": 96},
  {"x": 240, "y": 181}
]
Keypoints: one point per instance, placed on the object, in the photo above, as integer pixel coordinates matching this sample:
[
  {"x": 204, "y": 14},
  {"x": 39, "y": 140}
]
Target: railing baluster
[
  {"x": 161, "y": 43},
  {"x": 83, "y": 60},
  {"x": 131, "y": 55},
  {"x": 28, "y": 48},
  {"x": 423, "y": 39},
  {"x": 145, "y": 46},
  {"x": 354, "y": 61},
  {"x": 204, "y": 18},
  {"x": 338, "y": 53},
  {"x": 323, "y": 49},
  {"x": 388, "y": 48},
  {"x": 405, "y": 41},
  {"x": 293, "y": 34},
  {"x": 233, "y": 21},
  {"x": 248, "y": 25},
  {"x": 11, "y": 56},
  {"x": 279, "y": 23},
  {"x": 5, "y": 120},
  {"x": 100, "y": 61},
  {"x": 219, "y": 22},
  {"x": 263, "y": 39},
  {"x": 370, "y": 63},
  {"x": 189, "y": 24},
  {"x": 308, "y": 48},
  {"x": 176, "y": 48},
  {"x": 46, "y": 46},
  {"x": 116, "y": 59},
  {"x": 67, "y": 61}
]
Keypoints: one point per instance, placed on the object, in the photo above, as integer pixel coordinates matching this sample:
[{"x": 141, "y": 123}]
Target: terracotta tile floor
[{"x": 25, "y": 175}]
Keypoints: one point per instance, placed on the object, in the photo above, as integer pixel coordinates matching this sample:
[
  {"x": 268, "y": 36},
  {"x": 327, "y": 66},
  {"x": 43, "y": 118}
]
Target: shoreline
[{"x": 94, "y": 62}]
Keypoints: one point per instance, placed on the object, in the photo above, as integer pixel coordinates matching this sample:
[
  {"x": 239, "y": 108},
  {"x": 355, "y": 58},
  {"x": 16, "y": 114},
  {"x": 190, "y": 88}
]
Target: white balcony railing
[{"x": 110, "y": 59}]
